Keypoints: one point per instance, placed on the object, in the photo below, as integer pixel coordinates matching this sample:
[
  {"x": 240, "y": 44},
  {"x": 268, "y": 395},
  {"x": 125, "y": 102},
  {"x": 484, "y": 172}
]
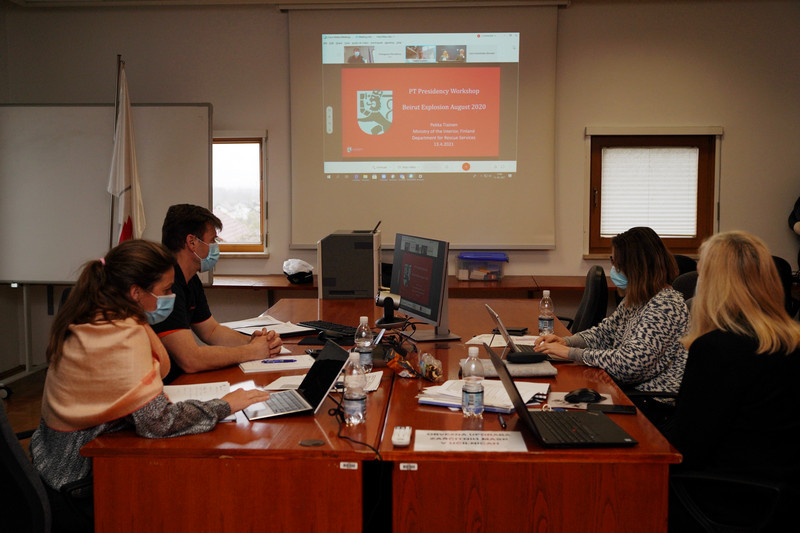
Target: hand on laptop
[
  {"x": 552, "y": 345},
  {"x": 241, "y": 398}
]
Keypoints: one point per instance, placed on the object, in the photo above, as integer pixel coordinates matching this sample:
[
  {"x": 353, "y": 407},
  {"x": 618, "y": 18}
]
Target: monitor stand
[{"x": 436, "y": 334}]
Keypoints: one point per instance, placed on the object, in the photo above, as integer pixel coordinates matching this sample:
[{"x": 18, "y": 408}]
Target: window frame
[
  {"x": 247, "y": 250},
  {"x": 707, "y": 144}
]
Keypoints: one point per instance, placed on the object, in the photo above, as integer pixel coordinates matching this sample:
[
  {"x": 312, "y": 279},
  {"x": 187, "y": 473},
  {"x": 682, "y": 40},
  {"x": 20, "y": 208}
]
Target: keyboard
[
  {"x": 330, "y": 328},
  {"x": 525, "y": 348},
  {"x": 567, "y": 428},
  {"x": 285, "y": 401}
]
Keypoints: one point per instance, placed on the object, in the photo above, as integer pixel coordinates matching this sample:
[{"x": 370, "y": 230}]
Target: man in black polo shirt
[{"x": 190, "y": 232}]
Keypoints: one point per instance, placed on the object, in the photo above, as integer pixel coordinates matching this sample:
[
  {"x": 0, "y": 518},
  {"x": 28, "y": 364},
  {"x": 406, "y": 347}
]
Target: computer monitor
[{"x": 419, "y": 277}]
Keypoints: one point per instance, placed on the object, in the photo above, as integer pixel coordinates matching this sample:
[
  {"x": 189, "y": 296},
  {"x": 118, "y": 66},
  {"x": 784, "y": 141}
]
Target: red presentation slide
[
  {"x": 416, "y": 282},
  {"x": 420, "y": 112}
]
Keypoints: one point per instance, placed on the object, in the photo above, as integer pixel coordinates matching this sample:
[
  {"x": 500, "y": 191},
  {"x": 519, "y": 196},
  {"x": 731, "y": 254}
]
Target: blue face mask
[
  {"x": 164, "y": 305},
  {"x": 208, "y": 262},
  {"x": 619, "y": 278}
]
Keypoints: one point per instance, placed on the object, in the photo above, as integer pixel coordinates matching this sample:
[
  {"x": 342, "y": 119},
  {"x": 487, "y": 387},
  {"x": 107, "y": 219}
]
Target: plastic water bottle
[
  {"x": 364, "y": 344},
  {"x": 355, "y": 397},
  {"x": 547, "y": 314},
  {"x": 472, "y": 392}
]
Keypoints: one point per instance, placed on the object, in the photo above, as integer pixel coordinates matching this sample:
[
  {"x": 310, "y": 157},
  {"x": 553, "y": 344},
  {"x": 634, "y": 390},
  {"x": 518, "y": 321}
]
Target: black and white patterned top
[
  {"x": 639, "y": 346},
  {"x": 56, "y": 454}
]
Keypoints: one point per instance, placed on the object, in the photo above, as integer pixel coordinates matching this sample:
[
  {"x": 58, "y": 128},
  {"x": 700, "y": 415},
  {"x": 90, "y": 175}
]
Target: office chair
[
  {"x": 686, "y": 284},
  {"x": 726, "y": 503},
  {"x": 27, "y": 496},
  {"x": 785, "y": 273},
  {"x": 685, "y": 263},
  {"x": 592, "y": 307}
]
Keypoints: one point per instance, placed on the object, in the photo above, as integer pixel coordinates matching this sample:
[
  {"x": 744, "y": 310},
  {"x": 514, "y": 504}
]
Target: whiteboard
[{"x": 55, "y": 211}]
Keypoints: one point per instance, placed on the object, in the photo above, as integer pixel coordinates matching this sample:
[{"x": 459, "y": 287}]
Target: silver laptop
[
  {"x": 520, "y": 353},
  {"x": 308, "y": 397}
]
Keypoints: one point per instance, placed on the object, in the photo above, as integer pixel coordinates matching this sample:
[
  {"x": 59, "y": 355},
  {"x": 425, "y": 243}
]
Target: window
[
  {"x": 665, "y": 182},
  {"x": 239, "y": 192}
]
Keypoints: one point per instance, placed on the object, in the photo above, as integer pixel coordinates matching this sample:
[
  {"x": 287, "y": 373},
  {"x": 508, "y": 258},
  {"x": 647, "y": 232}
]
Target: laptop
[
  {"x": 308, "y": 397},
  {"x": 562, "y": 429},
  {"x": 520, "y": 353}
]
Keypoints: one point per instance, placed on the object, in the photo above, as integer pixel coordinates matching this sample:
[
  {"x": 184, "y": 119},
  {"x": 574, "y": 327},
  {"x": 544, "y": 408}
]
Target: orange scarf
[{"x": 107, "y": 370}]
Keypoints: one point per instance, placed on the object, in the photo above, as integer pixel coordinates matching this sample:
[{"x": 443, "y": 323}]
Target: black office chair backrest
[
  {"x": 26, "y": 497},
  {"x": 592, "y": 308},
  {"x": 685, "y": 263},
  {"x": 686, "y": 284},
  {"x": 785, "y": 273}
]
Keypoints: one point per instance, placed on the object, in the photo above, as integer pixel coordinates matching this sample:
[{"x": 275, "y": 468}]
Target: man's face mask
[{"x": 208, "y": 262}]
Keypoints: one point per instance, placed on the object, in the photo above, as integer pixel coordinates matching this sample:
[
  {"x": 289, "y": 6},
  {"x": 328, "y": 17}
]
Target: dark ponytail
[{"x": 102, "y": 290}]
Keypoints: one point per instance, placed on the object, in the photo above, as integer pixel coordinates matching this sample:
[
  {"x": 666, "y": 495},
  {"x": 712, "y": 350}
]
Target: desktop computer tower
[{"x": 348, "y": 264}]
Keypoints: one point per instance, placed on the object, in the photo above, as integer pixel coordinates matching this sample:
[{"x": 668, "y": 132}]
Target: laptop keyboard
[
  {"x": 524, "y": 348},
  {"x": 284, "y": 402},
  {"x": 323, "y": 325},
  {"x": 565, "y": 427}
]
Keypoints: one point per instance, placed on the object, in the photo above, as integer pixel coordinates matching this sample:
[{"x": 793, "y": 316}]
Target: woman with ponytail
[{"x": 106, "y": 365}]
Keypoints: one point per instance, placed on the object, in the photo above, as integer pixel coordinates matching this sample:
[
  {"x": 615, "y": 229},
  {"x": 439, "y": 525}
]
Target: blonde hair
[{"x": 739, "y": 291}]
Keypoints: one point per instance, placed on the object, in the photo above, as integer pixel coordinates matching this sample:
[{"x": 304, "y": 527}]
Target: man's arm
[{"x": 225, "y": 347}]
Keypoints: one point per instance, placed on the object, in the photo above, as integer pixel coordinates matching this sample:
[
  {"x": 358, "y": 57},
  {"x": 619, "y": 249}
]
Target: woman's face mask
[
  {"x": 164, "y": 306},
  {"x": 619, "y": 278}
]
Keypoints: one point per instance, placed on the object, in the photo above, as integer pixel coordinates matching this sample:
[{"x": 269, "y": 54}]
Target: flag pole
[{"x": 120, "y": 64}]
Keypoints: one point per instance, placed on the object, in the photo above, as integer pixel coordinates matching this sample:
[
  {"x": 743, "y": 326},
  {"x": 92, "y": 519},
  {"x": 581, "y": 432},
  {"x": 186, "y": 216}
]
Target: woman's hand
[
  {"x": 552, "y": 345},
  {"x": 241, "y": 398}
]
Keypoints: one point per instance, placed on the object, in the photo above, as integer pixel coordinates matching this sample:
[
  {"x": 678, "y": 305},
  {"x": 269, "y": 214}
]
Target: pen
[
  {"x": 279, "y": 360},
  {"x": 502, "y": 421}
]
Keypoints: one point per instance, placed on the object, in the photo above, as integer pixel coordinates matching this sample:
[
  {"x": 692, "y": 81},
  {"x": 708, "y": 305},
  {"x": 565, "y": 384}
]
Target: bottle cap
[
  {"x": 473, "y": 350},
  {"x": 545, "y": 293},
  {"x": 364, "y": 320},
  {"x": 354, "y": 357}
]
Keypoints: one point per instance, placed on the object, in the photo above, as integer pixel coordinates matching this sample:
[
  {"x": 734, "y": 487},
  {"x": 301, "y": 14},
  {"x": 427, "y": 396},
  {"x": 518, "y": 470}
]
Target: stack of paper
[
  {"x": 200, "y": 391},
  {"x": 250, "y": 325},
  {"x": 293, "y": 382},
  {"x": 495, "y": 397}
]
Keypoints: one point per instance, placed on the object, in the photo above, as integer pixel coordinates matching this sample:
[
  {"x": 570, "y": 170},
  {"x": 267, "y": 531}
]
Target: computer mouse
[{"x": 583, "y": 396}]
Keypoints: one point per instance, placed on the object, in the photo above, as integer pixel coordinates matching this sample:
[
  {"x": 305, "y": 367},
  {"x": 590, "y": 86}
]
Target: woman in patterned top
[
  {"x": 106, "y": 365},
  {"x": 639, "y": 345}
]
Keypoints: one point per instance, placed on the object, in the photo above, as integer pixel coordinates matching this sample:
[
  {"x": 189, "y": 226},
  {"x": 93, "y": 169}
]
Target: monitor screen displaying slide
[
  {"x": 410, "y": 106},
  {"x": 419, "y": 277}
]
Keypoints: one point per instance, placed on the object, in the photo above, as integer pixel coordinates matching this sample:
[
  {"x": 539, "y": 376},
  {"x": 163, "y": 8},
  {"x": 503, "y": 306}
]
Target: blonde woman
[{"x": 737, "y": 406}]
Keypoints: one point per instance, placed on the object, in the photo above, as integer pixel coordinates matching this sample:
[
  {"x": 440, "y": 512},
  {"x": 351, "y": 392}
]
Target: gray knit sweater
[{"x": 639, "y": 346}]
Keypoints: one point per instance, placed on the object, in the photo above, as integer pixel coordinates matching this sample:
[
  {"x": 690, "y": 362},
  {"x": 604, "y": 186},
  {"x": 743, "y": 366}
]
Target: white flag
[{"x": 123, "y": 181}]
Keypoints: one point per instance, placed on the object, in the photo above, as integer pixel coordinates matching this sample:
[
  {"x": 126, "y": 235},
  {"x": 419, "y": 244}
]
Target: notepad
[{"x": 298, "y": 362}]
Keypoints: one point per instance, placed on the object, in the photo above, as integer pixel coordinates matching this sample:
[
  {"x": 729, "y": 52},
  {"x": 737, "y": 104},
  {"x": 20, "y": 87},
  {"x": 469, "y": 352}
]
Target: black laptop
[{"x": 562, "y": 429}]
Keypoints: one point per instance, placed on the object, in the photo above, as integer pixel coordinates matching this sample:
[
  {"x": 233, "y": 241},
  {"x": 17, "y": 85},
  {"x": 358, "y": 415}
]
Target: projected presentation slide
[{"x": 408, "y": 106}]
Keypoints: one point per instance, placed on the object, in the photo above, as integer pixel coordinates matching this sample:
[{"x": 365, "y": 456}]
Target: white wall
[{"x": 692, "y": 63}]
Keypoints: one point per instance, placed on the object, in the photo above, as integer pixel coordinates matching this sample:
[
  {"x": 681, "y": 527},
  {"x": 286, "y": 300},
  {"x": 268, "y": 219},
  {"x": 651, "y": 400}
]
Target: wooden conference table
[{"x": 268, "y": 475}]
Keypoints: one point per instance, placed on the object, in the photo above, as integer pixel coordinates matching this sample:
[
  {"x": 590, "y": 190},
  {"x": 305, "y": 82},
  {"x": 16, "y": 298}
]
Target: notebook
[
  {"x": 563, "y": 429},
  {"x": 308, "y": 397},
  {"x": 527, "y": 354}
]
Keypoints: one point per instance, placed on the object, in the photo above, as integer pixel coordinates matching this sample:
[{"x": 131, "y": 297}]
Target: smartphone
[{"x": 613, "y": 409}]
